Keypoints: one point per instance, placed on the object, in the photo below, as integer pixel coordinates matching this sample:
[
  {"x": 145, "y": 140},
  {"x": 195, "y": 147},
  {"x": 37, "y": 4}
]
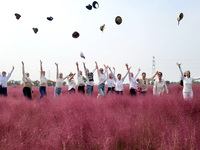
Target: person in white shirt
[
  {"x": 144, "y": 82},
  {"x": 72, "y": 83},
  {"x": 90, "y": 80},
  {"x": 187, "y": 83},
  {"x": 119, "y": 81},
  {"x": 59, "y": 82},
  {"x": 3, "y": 82},
  {"x": 43, "y": 82},
  {"x": 110, "y": 81},
  {"x": 81, "y": 82},
  {"x": 133, "y": 82},
  {"x": 102, "y": 80},
  {"x": 27, "y": 82},
  {"x": 160, "y": 85}
]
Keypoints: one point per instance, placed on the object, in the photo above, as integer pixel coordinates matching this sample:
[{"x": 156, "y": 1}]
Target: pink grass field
[{"x": 79, "y": 122}]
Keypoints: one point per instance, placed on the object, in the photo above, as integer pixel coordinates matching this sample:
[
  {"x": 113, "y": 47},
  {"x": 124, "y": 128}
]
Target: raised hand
[
  {"x": 40, "y": 62},
  {"x": 56, "y": 64},
  {"x": 22, "y": 63},
  {"x": 139, "y": 69},
  {"x": 13, "y": 67},
  {"x": 113, "y": 68},
  {"x": 77, "y": 64},
  {"x": 179, "y": 65}
]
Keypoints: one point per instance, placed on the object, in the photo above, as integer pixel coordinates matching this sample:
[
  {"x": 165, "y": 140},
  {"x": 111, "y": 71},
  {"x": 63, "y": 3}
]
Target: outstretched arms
[
  {"x": 10, "y": 72},
  {"x": 71, "y": 77},
  {"x": 23, "y": 72},
  {"x": 128, "y": 68}
]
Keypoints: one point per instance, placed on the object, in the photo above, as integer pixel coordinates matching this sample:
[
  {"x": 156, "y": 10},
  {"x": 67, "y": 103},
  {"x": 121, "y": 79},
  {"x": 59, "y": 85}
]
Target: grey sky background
[{"x": 149, "y": 28}]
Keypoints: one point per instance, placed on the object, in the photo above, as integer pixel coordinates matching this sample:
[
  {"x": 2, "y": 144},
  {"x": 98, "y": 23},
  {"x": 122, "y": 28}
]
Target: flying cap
[
  {"x": 35, "y": 30},
  {"x": 118, "y": 20},
  {"x": 180, "y": 17},
  {"x": 82, "y": 55},
  {"x": 89, "y": 7},
  {"x": 50, "y": 18},
  {"x": 102, "y": 27},
  {"x": 18, "y": 16},
  {"x": 75, "y": 34},
  {"x": 95, "y": 4}
]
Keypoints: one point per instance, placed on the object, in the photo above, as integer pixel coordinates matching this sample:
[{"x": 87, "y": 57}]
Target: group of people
[{"x": 114, "y": 83}]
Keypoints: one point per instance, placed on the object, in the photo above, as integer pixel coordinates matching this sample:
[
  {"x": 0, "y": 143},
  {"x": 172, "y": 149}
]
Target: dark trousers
[
  {"x": 27, "y": 92},
  {"x": 3, "y": 91},
  {"x": 143, "y": 93},
  {"x": 111, "y": 90},
  {"x": 89, "y": 90},
  {"x": 71, "y": 91},
  {"x": 81, "y": 89},
  {"x": 43, "y": 91},
  {"x": 132, "y": 92},
  {"x": 119, "y": 92}
]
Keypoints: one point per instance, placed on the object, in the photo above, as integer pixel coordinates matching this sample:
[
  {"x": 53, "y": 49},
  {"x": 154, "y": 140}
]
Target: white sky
[{"x": 149, "y": 28}]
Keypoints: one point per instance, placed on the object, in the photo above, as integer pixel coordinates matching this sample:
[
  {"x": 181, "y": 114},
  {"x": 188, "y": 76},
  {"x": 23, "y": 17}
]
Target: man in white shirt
[
  {"x": 3, "y": 82},
  {"x": 72, "y": 83},
  {"x": 159, "y": 85},
  {"x": 90, "y": 80},
  {"x": 110, "y": 81},
  {"x": 81, "y": 82}
]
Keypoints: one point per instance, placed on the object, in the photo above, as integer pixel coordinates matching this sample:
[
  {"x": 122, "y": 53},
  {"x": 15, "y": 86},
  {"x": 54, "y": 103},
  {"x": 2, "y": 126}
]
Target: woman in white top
[
  {"x": 187, "y": 83},
  {"x": 27, "y": 82},
  {"x": 72, "y": 83},
  {"x": 160, "y": 85},
  {"x": 102, "y": 80},
  {"x": 110, "y": 81},
  {"x": 119, "y": 82},
  {"x": 43, "y": 82},
  {"x": 133, "y": 82},
  {"x": 4, "y": 81},
  {"x": 81, "y": 82},
  {"x": 59, "y": 82}
]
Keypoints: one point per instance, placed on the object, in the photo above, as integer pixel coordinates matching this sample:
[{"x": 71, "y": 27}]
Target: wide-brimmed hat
[
  {"x": 95, "y": 4},
  {"x": 18, "y": 16},
  {"x": 35, "y": 30},
  {"x": 89, "y": 7},
  {"x": 50, "y": 18},
  {"x": 118, "y": 20},
  {"x": 75, "y": 34}
]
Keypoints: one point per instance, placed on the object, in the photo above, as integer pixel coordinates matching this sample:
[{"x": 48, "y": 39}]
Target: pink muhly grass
[{"x": 112, "y": 122}]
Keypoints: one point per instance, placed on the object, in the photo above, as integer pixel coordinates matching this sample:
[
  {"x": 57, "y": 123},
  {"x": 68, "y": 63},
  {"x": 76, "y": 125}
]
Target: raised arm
[
  {"x": 114, "y": 70},
  {"x": 154, "y": 75},
  {"x": 57, "y": 70},
  {"x": 41, "y": 70},
  {"x": 137, "y": 73},
  {"x": 85, "y": 69},
  {"x": 10, "y": 72},
  {"x": 113, "y": 75},
  {"x": 23, "y": 72},
  {"x": 179, "y": 65},
  {"x": 128, "y": 68},
  {"x": 71, "y": 77}
]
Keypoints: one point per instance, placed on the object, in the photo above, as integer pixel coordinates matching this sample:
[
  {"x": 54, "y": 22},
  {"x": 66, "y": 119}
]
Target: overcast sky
[{"x": 149, "y": 28}]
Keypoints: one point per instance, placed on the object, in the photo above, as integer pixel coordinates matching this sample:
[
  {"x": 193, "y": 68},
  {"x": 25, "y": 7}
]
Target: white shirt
[
  {"x": 144, "y": 83},
  {"x": 160, "y": 87},
  {"x": 72, "y": 84},
  {"x": 27, "y": 82},
  {"x": 110, "y": 82},
  {"x": 4, "y": 80},
  {"x": 91, "y": 83},
  {"x": 119, "y": 83},
  {"x": 187, "y": 84},
  {"x": 80, "y": 79},
  {"x": 102, "y": 77},
  {"x": 59, "y": 82},
  {"x": 132, "y": 80},
  {"x": 43, "y": 80}
]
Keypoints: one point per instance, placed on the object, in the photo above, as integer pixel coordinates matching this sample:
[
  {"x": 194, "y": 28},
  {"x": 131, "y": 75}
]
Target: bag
[{"x": 181, "y": 82}]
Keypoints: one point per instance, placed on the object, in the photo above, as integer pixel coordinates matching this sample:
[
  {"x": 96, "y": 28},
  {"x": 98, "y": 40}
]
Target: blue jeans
[
  {"x": 43, "y": 91},
  {"x": 101, "y": 88},
  {"x": 57, "y": 91},
  {"x": 89, "y": 90}
]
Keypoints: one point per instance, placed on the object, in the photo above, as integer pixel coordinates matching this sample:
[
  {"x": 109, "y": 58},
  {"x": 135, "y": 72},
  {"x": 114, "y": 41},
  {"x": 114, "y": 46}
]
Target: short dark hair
[
  {"x": 3, "y": 72},
  {"x": 160, "y": 73},
  {"x": 144, "y": 73},
  {"x": 187, "y": 71},
  {"x": 119, "y": 74}
]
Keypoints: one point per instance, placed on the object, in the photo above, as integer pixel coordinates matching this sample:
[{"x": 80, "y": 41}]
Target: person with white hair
[
  {"x": 187, "y": 83},
  {"x": 27, "y": 83},
  {"x": 4, "y": 81},
  {"x": 160, "y": 85}
]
